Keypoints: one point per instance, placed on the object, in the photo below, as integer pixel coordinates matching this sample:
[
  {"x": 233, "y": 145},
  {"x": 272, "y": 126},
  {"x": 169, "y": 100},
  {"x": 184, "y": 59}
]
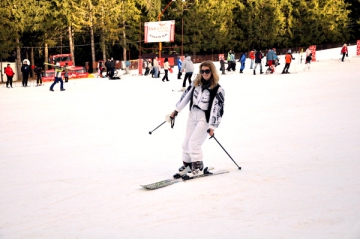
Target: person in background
[
  {"x": 242, "y": 61},
  {"x": 151, "y": 70},
  {"x": 9, "y": 74},
  {"x": 252, "y": 58},
  {"x": 344, "y": 52},
  {"x": 127, "y": 67},
  {"x": 188, "y": 67},
  {"x": 100, "y": 68},
  {"x": 146, "y": 64},
  {"x": 288, "y": 58},
  {"x": 229, "y": 62},
  {"x": 307, "y": 53},
  {"x": 108, "y": 66},
  {"x": 258, "y": 58},
  {"x": 307, "y": 62},
  {"x": 156, "y": 67},
  {"x": 58, "y": 70},
  {"x": 66, "y": 70},
  {"x": 25, "y": 70},
  {"x": 270, "y": 58},
  {"x": 206, "y": 98},
  {"x": 179, "y": 67},
  {"x": 222, "y": 65},
  {"x": 116, "y": 75},
  {"x": 232, "y": 61},
  {"x": 38, "y": 73},
  {"x": 112, "y": 67},
  {"x": 166, "y": 70},
  {"x": 276, "y": 58}
]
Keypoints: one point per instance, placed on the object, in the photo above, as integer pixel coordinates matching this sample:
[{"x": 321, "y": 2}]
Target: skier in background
[
  {"x": 222, "y": 65},
  {"x": 344, "y": 52},
  {"x": 307, "y": 62},
  {"x": 252, "y": 58},
  {"x": 9, "y": 74},
  {"x": 25, "y": 70},
  {"x": 288, "y": 58},
  {"x": 58, "y": 69},
  {"x": 166, "y": 70},
  {"x": 66, "y": 70},
  {"x": 188, "y": 67},
  {"x": 242, "y": 61},
  {"x": 258, "y": 58},
  {"x": 270, "y": 58},
  {"x": 38, "y": 72},
  {"x": 179, "y": 67}
]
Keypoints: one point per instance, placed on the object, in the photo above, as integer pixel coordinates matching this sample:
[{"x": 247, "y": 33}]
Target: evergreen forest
[{"x": 95, "y": 30}]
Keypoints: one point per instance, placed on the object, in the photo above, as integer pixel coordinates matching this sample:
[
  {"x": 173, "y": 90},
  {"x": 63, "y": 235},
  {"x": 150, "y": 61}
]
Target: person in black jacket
[
  {"x": 108, "y": 66},
  {"x": 38, "y": 72},
  {"x": 112, "y": 67},
  {"x": 25, "y": 70},
  {"x": 258, "y": 58}
]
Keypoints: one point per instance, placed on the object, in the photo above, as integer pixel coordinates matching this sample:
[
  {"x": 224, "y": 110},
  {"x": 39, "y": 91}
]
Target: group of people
[
  {"x": 25, "y": 70},
  {"x": 272, "y": 60},
  {"x": 108, "y": 69},
  {"x": 255, "y": 57},
  {"x": 152, "y": 67}
]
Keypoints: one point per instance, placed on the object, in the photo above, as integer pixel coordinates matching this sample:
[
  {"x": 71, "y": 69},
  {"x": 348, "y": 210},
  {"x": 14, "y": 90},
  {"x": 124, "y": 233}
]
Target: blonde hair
[{"x": 214, "y": 75}]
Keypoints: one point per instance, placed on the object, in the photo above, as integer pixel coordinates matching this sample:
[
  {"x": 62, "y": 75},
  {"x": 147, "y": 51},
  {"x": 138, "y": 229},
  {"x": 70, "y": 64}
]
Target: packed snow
[{"x": 72, "y": 162}]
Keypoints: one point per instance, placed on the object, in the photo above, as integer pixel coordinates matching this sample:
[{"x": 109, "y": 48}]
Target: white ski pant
[{"x": 195, "y": 136}]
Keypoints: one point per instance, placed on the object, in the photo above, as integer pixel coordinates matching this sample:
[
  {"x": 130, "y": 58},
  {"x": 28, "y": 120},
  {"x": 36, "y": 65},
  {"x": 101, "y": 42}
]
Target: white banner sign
[{"x": 159, "y": 31}]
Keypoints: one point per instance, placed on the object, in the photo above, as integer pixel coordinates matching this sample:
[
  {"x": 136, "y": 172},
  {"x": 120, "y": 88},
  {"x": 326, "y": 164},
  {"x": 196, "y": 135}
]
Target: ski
[{"x": 168, "y": 182}]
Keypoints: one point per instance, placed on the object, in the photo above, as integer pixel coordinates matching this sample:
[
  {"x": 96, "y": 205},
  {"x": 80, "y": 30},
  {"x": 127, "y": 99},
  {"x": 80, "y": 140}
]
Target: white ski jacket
[{"x": 209, "y": 101}]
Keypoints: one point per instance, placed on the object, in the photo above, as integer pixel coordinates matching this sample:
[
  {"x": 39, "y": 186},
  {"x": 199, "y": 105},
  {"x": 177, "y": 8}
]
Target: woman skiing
[{"x": 206, "y": 99}]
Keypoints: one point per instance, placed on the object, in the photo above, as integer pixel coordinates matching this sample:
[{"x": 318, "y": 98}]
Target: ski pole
[
  {"x": 224, "y": 149},
  {"x": 157, "y": 127}
]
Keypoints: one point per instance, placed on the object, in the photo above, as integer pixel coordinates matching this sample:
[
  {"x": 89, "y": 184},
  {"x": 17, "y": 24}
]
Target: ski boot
[
  {"x": 186, "y": 168},
  {"x": 196, "y": 171}
]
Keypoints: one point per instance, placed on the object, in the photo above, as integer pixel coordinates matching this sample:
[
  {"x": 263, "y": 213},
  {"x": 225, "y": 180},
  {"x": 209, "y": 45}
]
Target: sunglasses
[{"x": 208, "y": 71}]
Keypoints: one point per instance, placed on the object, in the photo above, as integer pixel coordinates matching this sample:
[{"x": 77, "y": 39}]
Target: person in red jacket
[
  {"x": 252, "y": 58},
  {"x": 9, "y": 73},
  {"x": 344, "y": 51}
]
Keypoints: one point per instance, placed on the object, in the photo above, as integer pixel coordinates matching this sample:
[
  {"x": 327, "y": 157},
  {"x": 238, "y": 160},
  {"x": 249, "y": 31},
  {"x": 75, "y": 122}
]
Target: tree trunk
[
  {"x": 18, "y": 58},
  {"x": 71, "y": 44},
  {"x": 124, "y": 43},
  {"x": 46, "y": 55},
  {"x": 103, "y": 47},
  {"x": 92, "y": 39},
  {"x": 92, "y": 49}
]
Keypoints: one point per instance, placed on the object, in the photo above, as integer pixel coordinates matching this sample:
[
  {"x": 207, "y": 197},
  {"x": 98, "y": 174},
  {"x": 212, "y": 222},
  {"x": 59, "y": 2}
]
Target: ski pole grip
[{"x": 208, "y": 131}]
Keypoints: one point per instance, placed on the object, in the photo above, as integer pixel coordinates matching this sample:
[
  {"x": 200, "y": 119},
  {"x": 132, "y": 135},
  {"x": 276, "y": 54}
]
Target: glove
[
  {"x": 171, "y": 119},
  {"x": 168, "y": 118}
]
